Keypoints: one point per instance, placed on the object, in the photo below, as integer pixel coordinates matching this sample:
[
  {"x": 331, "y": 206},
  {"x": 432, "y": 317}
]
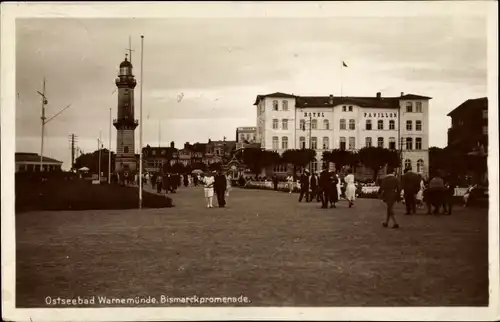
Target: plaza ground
[{"x": 264, "y": 245}]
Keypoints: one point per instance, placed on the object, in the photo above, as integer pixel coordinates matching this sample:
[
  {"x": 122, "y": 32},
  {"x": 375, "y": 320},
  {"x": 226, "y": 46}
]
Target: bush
[{"x": 62, "y": 194}]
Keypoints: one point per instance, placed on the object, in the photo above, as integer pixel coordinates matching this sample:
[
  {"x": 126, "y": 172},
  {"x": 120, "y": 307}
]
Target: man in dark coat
[
  {"x": 324, "y": 185},
  {"x": 333, "y": 193},
  {"x": 390, "y": 192},
  {"x": 304, "y": 185},
  {"x": 186, "y": 180},
  {"x": 313, "y": 185},
  {"x": 220, "y": 186},
  {"x": 275, "y": 182},
  {"x": 411, "y": 185},
  {"x": 450, "y": 182}
]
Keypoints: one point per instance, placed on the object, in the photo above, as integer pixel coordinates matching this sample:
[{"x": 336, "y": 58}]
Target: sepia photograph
[{"x": 257, "y": 160}]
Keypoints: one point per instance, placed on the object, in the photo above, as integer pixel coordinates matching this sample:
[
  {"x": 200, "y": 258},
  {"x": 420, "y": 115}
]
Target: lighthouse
[{"x": 125, "y": 124}]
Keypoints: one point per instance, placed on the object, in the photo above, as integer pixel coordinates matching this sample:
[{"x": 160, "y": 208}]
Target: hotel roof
[{"x": 34, "y": 157}]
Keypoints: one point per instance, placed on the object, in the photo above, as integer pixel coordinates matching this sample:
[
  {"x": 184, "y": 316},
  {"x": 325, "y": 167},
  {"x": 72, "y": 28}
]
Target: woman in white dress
[
  {"x": 208, "y": 187},
  {"x": 339, "y": 189},
  {"x": 350, "y": 190},
  {"x": 228, "y": 185},
  {"x": 420, "y": 194},
  {"x": 289, "y": 179}
]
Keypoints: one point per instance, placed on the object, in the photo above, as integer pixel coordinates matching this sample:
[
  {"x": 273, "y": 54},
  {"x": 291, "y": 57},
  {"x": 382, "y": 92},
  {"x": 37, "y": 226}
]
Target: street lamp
[{"x": 45, "y": 120}]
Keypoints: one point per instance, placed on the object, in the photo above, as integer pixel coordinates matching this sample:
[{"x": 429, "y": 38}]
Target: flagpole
[
  {"x": 141, "y": 125},
  {"x": 341, "y": 74}
]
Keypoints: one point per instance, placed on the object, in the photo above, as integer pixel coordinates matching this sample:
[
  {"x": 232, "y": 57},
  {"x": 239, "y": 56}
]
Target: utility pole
[
  {"x": 310, "y": 139},
  {"x": 44, "y": 102},
  {"x": 109, "y": 144},
  {"x": 45, "y": 120},
  {"x": 99, "y": 149}
]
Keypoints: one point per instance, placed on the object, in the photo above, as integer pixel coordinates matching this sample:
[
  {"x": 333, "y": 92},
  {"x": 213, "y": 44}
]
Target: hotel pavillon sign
[{"x": 385, "y": 114}]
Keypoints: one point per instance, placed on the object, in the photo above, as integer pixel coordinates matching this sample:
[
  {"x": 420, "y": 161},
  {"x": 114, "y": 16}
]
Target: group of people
[
  {"x": 439, "y": 193},
  {"x": 170, "y": 182},
  {"x": 325, "y": 188}
]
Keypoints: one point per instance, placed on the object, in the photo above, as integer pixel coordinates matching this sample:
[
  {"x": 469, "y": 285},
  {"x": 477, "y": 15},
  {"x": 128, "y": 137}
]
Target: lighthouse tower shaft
[{"x": 125, "y": 124}]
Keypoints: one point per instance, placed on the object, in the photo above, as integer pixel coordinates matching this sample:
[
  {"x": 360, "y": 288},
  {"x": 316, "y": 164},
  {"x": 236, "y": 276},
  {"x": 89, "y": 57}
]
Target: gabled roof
[
  {"x": 33, "y": 157},
  {"x": 363, "y": 101},
  {"x": 277, "y": 94},
  {"x": 471, "y": 104},
  {"x": 327, "y": 101}
]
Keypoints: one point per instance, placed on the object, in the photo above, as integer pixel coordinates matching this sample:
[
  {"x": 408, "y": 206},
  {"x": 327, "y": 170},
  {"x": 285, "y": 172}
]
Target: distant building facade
[
  {"x": 469, "y": 126},
  {"x": 30, "y": 162},
  {"x": 191, "y": 154},
  {"x": 245, "y": 135},
  {"x": 324, "y": 123}
]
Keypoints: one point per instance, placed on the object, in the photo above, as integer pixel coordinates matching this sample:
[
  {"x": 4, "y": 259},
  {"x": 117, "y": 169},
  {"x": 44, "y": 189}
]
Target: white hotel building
[{"x": 324, "y": 123}]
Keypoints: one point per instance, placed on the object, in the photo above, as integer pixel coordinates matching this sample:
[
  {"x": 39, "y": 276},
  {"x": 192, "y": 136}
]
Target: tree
[
  {"x": 216, "y": 166},
  {"x": 375, "y": 158},
  {"x": 257, "y": 159},
  {"x": 91, "y": 161},
  {"x": 340, "y": 157},
  {"x": 199, "y": 166},
  {"x": 178, "y": 168},
  {"x": 299, "y": 158}
]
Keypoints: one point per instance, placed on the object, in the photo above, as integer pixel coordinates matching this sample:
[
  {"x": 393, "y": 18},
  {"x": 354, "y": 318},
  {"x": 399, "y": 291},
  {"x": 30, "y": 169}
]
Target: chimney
[
  {"x": 330, "y": 100},
  {"x": 209, "y": 141},
  {"x": 378, "y": 94},
  {"x": 172, "y": 144},
  {"x": 186, "y": 145},
  {"x": 402, "y": 94}
]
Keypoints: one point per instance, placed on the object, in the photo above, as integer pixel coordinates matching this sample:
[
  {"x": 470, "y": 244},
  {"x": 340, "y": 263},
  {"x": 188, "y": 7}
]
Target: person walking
[
  {"x": 410, "y": 183},
  {"x": 186, "y": 180},
  {"x": 220, "y": 186},
  {"x": 390, "y": 193},
  {"x": 289, "y": 180},
  {"x": 332, "y": 189},
  {"x": 450, "y": 182},
  {"x": 304, "y": 185},
  {"x": 275, "y": 182},
  {"x": 229, "y": 185},
  {"x": 324, "y": 185},
  {"x": 313, "y": 187},
  {"x": 208, "y": 188},
  {"x": 339, "y": 187},
  {"x": 436, "y": 194},
  {"x": 420, "y": 194},
  {"x": 159, "y": 180},
  {"x": 350, "y": 190}
]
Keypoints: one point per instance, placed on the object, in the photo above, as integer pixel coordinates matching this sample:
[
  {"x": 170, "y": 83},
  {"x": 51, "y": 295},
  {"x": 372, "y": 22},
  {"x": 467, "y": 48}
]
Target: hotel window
[
  {"x": 418, "y": 107},
  {"x": 275, "y": 124},
  {"x": 409, "y": 107},
  {"x": 409, "y": 143},
  {"x": 314, "y": 166},
  {"x": 242, "y": 137},
  {"x": 342, "y": 143},
  {"x": 418, "y": 125},
  {"x": 352, "y": 124},
  {"x": 326, "y": 143},
  {"x": 284, "y": 124},
  {"x": 350, "y": 108},
  {"x": 275, "y": 105},
  {"x": 302, "y": 142},
  {"x": 352, "y": 143},
  {"x": 485, "y": 130},
  {"x": 368, "y": 142},
  {"x": 344, "y": 108},
  {"x": 326, "y": 124},
  {"x": 163, "y": 152},
  {"x": 284, "y": 142},
  {"x": 380, "y": 124},
  {"x": 276, "y": 143},
  {"x": 314, "y": 124},
  {"x": 409, "y": 125},
  {"x": 342, "y": 124},
  {"x": 303, "y": 125},
  {"x": 485, "y": 113},
  {"x": 392, "y": 143},
  {"x": 418, "y": 143},
  {"x": 407, "y": 164},
  {"x": 153, "y": 153},
  {"x": 420, "y": 166},
  {"x": 392, "y": 125},
  {"x": 314, "y": 143},
  {"x": 368, "y": 125},
  {"x": 285, "y": 105},
  {"x": 380, "y": 142}
]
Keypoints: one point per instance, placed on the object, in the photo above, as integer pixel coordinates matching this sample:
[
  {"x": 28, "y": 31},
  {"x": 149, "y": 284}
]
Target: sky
[{"x": 201, "y": 75}]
